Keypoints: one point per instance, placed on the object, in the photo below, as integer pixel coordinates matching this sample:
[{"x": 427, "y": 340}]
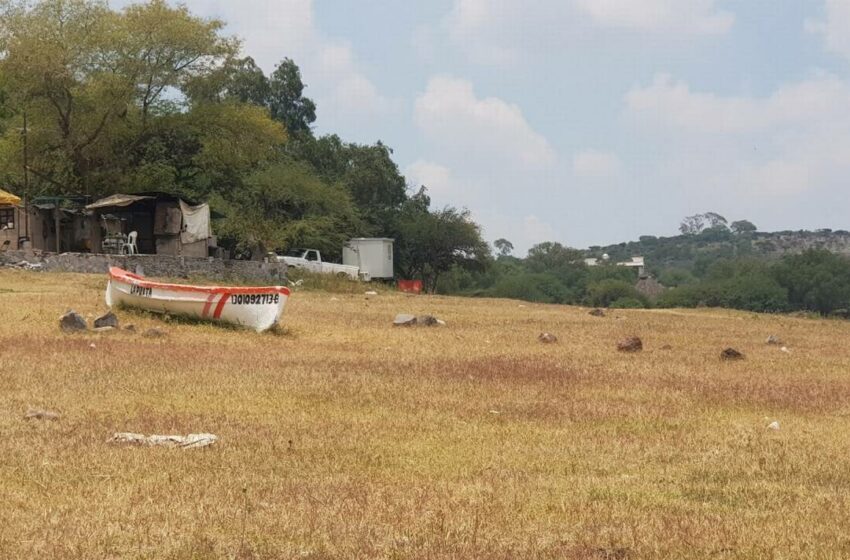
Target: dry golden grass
[{"x": 343, "y": 437}]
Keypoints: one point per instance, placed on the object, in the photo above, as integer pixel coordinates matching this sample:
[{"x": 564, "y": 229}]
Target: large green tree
[
  {"x": 430, "y": 243},
  {"x": 91, "y": 81}
]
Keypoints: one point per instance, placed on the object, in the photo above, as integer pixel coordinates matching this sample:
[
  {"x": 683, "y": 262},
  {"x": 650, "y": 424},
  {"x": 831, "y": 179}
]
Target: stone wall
[{"x": 165, "y": 266}]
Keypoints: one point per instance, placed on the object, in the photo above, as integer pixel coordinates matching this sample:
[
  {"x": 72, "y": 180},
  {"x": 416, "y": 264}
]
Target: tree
[
  {"x": 91, "y": 81},
  {"x": 816, "y": 280},
  {"x": 715, "y": 220},
  {"x": 366, "y": 171},
  {"x": 429, "y": 243},
  {"x": 504, "y": 247},
  {"x": 286, "y": 99},
  {"x": 237, "y": 79},
  {"x": 287, "y": 205},
  {"x": 743, "y": 226},
  {"x": 692, "y": 225}
]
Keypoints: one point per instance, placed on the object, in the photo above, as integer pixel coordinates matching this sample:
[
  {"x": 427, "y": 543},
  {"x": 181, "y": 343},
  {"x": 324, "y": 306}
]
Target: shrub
[
  {"x": 627, "y": 303},
  {"x": 605, "y": 292}
]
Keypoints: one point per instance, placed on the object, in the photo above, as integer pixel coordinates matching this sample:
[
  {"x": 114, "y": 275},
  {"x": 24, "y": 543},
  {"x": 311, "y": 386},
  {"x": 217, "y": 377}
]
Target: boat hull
[{"x": 257, "y": 308}]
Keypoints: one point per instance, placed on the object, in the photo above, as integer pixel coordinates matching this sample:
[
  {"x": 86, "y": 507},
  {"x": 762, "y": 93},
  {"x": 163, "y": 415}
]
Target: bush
[
  {"x": 628, "y": 303},
  {"x": 542, "y": 288},
  {"x": 605, "y": 292},
  {"x": 815, "y": 280}
]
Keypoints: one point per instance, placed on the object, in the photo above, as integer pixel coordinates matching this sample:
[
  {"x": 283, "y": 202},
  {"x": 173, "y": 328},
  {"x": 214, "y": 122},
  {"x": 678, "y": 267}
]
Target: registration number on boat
[
  {"x": 141, "y": 291},
  {"x": 254, "y": 299}
]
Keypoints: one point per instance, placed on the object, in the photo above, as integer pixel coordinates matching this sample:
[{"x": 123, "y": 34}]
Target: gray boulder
[
  {"x": 72, "y": 322},
  {"x": 108, "y": 320},
  {"x": 407, "y": 320},
  {"x": 404, "y": 320}
]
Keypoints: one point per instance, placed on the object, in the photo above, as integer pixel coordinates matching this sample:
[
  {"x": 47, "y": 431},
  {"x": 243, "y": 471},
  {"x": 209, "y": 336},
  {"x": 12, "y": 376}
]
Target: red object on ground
[{"x": 410, "y": 286}]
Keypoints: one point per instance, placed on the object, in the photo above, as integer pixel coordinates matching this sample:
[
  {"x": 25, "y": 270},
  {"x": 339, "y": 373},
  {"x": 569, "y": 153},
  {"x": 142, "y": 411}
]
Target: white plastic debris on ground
[{"x": 192, "y": 441}]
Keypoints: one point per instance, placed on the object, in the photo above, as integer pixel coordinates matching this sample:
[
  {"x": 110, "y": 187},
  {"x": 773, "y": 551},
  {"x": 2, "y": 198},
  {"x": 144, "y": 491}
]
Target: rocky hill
[{"x": 692, "y": 251}]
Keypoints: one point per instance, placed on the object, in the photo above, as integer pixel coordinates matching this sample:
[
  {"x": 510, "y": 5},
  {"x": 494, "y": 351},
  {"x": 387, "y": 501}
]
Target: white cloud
[
  {"x": 503, "y": 32},
  {"x": 789, "y": 143},
  {"x": 593, "y": 164},
  {"x": 835, "y": 28},
  {"x": 436, "y": 178},
  {"x": 523, "y": 231},
  {"x": 674, "y": 104},
  {"x": 452, "y": 116},
  {"x": 700, "y": 17}
]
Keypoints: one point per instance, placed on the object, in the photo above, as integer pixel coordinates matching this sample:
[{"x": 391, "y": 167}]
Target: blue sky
[{"x": 583, "y": 121}]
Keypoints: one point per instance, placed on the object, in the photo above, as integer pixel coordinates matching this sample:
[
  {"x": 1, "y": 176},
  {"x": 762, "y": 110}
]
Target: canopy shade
[
  {"x": 8, "y": 198},
  {"x": 117, "y": 201}
]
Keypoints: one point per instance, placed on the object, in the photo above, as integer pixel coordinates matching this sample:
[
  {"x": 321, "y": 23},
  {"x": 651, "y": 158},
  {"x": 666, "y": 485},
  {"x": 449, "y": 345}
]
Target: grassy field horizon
[{"x": 344, "y": 437}]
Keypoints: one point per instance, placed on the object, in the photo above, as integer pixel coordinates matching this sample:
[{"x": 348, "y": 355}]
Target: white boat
[{"x": 256, "y": 308}]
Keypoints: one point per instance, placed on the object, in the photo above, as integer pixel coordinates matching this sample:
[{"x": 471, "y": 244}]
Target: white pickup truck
[{"x": 311, "y": 259}]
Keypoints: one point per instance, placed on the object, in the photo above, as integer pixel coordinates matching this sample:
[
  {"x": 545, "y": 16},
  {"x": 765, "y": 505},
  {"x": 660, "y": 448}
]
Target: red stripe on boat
[
  {"x": 220, "y": 307},
  {"x": 208, "y": 305}
]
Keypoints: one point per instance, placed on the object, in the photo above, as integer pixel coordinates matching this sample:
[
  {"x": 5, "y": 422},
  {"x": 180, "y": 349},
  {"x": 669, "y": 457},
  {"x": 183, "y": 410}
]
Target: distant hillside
[{"x": 693, "y": 251}]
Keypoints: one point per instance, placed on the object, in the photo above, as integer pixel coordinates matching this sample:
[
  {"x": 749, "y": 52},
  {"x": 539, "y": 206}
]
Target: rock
[
  {"x": 72, "y": 322},
  {"x": 773, "y": 425},
  {"x": 154, "y": 332},
  {"x": 774, "y": 340},
  {"x": 630, "y": 344},
  {"x": 547, "y": 338},
  {"x": 785, "y": 349},
  {"x": 407, "y": 320},
  {"x": 666, "y": 347},
  {"x": 427, "y": 321},
  {"x": 39, "y": 414},
  {"x": 108, "y": 320},
  {"x": 404, "y": 320},
  {"x": 731, "y": 354},
  {"x": 130, "y": 328},
  {"x": 92, "y": 346},
  {"x": 597, "y": 313}
]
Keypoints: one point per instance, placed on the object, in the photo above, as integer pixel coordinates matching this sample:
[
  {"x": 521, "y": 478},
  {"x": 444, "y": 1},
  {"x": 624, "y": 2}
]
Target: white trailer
[{"x": 372, "y": 255}]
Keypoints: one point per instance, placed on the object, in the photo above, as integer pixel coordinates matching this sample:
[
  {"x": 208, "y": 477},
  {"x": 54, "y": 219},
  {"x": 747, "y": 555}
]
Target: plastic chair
[{"x": 129, "y": 248}]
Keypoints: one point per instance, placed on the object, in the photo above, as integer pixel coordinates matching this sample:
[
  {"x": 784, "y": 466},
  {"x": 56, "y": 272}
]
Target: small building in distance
[
  {"x": 372, "y": 255},
  {"x": 635, "y": 262}
]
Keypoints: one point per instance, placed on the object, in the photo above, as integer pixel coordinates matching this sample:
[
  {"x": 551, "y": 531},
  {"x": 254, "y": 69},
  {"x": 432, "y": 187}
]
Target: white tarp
[{"x": 196, "y": 223}]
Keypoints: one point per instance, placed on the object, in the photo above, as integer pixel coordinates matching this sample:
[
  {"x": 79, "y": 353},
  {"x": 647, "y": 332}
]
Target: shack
[
  {"x": 153, "y": 223},
  {"x": 9, "y": 220}
]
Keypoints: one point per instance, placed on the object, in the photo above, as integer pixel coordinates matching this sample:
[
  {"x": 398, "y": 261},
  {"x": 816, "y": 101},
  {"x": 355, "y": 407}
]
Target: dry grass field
[{"x": 343, "y": 437}]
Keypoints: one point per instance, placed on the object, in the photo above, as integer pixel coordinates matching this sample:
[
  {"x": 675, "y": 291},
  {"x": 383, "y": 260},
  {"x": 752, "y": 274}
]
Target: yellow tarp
[{"x": 8, "y": 198}]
